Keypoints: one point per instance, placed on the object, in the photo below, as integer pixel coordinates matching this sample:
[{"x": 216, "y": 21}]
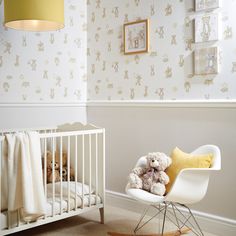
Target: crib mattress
[
  {"x": 65, "y": 203},
  {"x": 56, "y": 208}
]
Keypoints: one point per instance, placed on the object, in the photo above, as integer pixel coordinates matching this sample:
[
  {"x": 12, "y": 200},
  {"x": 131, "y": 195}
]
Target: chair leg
[
  {"x": 186, "y": 220},
  {"x": 164, "y": 220},
  {"x": 139, "y": 225},
  {"x": 141, "y": 218},
  {"x": 200, "y": 230},
  {"x": 176, "y": 218}
]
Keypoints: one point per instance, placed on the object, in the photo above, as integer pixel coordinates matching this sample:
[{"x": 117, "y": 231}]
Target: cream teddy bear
[
  {"x": 56, "y": 166},
  {"x": 151, "y": 178}
]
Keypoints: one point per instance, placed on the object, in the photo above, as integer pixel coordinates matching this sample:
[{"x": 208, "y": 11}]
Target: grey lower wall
[
  {"x": 40, "y": 116},
  {"x": 135, "y": 131}
]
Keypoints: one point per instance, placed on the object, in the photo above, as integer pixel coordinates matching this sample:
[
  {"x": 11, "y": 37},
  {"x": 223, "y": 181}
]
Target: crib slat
[
  {"x": 82, "y": 171},
  {"x": 45, "y": 170},
  {"x": 61, "y": 175},
  {"x": 53, "y": 176},
  {"x": 103, "y": 167},
  {"x": 18, "y": 218},
  {"x": 8, "y": 220},
  {"x": 1, "y": 156},
  {"x": 76, "y": 156},
  {"x": 96, "y": 168},
  {"x": 90, "y": 155},
  {"x": 68, "y": 172},
  {"x": 45, "y": 167}
]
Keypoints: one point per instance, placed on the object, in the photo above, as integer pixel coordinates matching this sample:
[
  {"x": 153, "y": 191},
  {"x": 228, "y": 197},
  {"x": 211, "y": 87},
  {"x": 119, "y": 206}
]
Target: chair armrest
[
  {"x": 209, "y": 148},
  {"x": 190, "y": 185}
]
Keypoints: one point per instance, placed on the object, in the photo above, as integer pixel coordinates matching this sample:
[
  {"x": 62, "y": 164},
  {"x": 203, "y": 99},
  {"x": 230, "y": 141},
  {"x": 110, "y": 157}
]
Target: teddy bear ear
[
  {"x": 64, "y": 156},
  {"x": 48, "y": 153}
]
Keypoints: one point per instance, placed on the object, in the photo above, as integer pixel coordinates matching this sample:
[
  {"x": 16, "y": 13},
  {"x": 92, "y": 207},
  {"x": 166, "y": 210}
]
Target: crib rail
[
  {"x": 39, "y": 129},
  {"x": 83, "y": 151}
]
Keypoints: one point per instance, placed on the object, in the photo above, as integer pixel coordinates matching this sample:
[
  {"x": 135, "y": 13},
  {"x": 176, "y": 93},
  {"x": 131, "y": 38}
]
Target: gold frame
[{"x": 146, "y": 49}]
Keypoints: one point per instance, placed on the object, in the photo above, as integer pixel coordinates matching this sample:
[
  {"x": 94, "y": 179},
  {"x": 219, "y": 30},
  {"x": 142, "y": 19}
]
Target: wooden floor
[{"x": 117, "y": 220}]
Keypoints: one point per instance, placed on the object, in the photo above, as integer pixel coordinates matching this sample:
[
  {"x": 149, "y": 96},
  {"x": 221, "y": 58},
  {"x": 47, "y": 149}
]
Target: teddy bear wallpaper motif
[
  {"x": 152, "y": 177},
  {"x": 171, "y": 37},
  {"x": 36, "y": 59},
  {"x": 57, "y": 168}
]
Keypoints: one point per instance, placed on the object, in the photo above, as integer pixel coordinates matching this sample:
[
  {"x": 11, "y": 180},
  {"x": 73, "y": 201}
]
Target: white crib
[{"x": 85, "y": 147}]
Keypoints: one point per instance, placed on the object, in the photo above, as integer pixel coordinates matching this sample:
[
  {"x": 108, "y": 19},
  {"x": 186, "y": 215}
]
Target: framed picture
[
  {"x": 136, "y": 37},
  {"x": 203, "y": 5},
  {"x": 206, "y": 28},
  {"x": 206, "y": 61}
]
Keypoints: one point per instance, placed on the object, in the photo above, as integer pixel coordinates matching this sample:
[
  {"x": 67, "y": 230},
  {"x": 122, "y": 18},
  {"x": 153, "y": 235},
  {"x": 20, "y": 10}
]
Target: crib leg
[{"x": 102, "y": 215}]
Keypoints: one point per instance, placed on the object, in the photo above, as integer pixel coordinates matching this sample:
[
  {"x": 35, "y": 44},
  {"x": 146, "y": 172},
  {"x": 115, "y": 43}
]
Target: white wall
[
  {"x": 135, "y": 131},
  {"x": 40, "y": 115}
]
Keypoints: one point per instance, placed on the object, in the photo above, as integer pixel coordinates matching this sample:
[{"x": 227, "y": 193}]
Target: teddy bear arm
[
  {"x": 50, "y": 177},
  {"x": 164, "y": 178},
  {"x": 139, "y": 171},
  {"x": 134, "y": 181}
]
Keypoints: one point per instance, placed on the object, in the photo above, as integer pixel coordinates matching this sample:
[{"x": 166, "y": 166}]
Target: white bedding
[{"x": 57, "y": 208}]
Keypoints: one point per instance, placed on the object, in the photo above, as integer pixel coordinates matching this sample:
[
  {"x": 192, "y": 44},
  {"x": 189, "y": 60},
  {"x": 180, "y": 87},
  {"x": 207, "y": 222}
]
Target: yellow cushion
[{"x": 182, "y": 160}]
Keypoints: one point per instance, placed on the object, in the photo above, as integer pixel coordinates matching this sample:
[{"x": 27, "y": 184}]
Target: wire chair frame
[{"x": 171, "y": 211}]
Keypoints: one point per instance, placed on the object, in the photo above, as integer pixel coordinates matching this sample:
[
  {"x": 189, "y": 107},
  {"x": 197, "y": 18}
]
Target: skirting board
[{"x": 210, "y": 223}]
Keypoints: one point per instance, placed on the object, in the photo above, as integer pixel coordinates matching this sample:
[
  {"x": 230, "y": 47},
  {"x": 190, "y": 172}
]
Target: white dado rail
[
  {"x": 133, "y": 103},
  {"x": 164, "y": 103},
  {"x": 46, "y": 104}
]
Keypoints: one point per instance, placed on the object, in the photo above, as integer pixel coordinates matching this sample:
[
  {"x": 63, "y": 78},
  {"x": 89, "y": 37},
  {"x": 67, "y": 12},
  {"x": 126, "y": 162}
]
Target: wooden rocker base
[{"x": 172, "y": 233}]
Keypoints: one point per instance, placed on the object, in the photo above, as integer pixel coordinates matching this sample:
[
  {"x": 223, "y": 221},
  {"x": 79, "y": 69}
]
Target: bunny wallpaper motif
[
  {"x": 167, "y": 71},
  {"x": 46, "y": 66}
]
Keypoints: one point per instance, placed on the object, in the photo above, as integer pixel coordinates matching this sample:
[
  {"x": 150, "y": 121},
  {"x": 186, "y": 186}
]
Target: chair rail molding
[
  {"x": 44, "y": 104},
  {"x": 130, "y": 103},
  {"x": 164, "y": 103}
]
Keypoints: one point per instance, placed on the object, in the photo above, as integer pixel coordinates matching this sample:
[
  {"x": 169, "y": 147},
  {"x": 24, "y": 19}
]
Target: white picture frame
[
  {"x": 205, "y": 5},
  {"x": 206, "y": 28},
  {"x": 206, "y": 61}
]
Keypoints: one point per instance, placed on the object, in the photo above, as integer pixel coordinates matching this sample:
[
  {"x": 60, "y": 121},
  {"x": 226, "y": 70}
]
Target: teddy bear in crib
[
  {"x": 152, "y": 177},
  {"x": 65, "y": 174},
  {"x": 57, "y": 167}
]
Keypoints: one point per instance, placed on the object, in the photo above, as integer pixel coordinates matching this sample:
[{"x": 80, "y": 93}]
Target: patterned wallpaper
[
  {"x": 166, "y": 72},
  {"x": 47, "y": 66}
]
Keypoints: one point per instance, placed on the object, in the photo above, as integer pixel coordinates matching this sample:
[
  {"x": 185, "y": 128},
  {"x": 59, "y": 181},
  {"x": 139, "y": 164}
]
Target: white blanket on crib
[{"x": 25, "y": 181}]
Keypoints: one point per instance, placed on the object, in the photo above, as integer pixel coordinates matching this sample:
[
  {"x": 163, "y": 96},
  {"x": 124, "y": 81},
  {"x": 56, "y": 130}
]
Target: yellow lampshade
[{"x": 34, "y": 15}]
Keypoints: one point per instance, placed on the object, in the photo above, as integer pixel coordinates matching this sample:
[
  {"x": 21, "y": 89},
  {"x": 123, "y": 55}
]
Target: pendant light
[{"x": 34, "y": 15}]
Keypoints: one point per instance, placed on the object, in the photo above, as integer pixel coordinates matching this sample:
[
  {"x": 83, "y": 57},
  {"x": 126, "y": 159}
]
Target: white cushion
[{"x": 144, "y": 196}]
